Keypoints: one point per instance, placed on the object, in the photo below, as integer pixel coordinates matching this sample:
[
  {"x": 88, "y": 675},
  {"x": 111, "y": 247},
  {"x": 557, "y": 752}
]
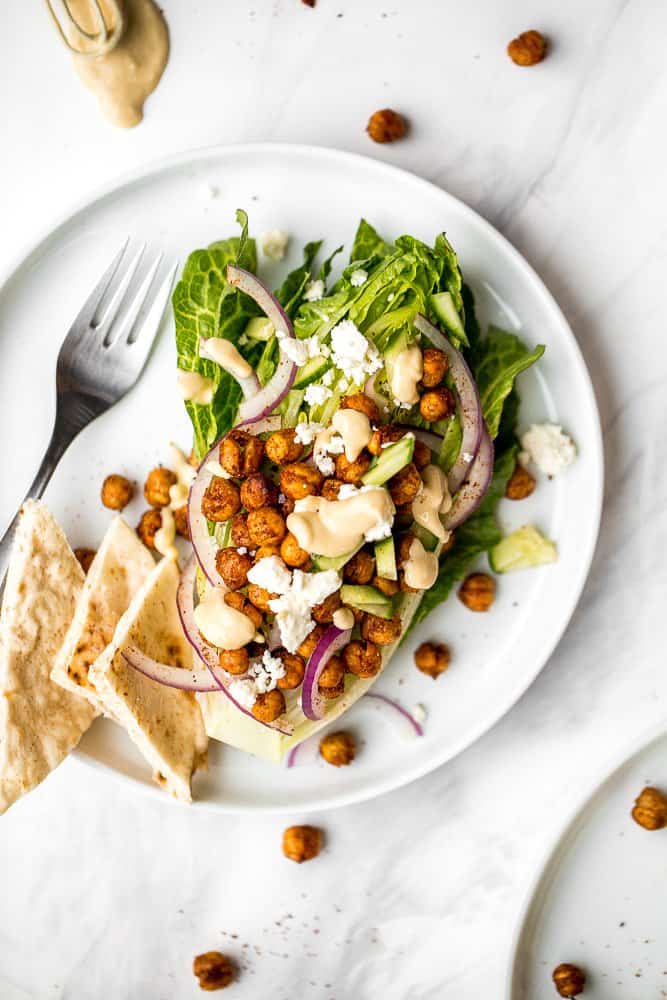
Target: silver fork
[{"x": 100, "y": 360}]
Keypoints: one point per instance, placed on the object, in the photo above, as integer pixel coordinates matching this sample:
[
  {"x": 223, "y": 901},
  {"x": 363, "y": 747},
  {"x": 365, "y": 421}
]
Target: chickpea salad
[{"x": 352, "y": 439}]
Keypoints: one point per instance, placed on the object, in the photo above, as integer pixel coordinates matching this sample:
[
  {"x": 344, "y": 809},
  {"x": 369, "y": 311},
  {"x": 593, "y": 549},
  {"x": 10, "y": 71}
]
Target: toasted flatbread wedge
[
  {"x": 119, "y": 569},
  {"x": 165, "y": 723},
  {"x": 39, "y": 721}
]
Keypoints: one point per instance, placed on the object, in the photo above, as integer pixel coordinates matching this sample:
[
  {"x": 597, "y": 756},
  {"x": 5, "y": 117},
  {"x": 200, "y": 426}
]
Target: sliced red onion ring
[
  {"x": 471, "y": 494},
  {"x": 175, "y": 677},
  {"x": 203, "y": 542},
  {"x": 431, "y": 440},
  {"x": 468, "y": 404},
  {"x": 282, "y": 380},
  {"x": 249, "y": 386},
  {"x": 394, "y": 711},
  {"x": 312, "y": 702},
  {"x": 305, "y": 753}
]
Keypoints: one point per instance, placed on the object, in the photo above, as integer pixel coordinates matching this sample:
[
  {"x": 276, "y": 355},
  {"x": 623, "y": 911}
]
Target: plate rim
[
  {"x": 169, "y": 161},
  {"x": 606, "y": 772}
]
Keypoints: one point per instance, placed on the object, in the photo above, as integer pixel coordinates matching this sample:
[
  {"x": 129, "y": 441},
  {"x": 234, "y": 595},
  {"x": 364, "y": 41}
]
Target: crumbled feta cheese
[
  {"x": 358, "y": 277},
  {"x": 346, "y": 491},
  {"x": 352, "y": 353},
  {"x": 316, "y": 395},
  {"x": 295, "y": 350},
  {"x": 328, "y": 377},
  {"x": 379, "y": 531},
  {"x": 314, "y": 291},
  {"x": 325, "y": 464},
  {"x": 267, "y": 672},
  {"x": 274, "y": 243},
  {"x": 306, "y": 433},
  {"x": 242, "y": 550},
  {"x": 549, "y": 448},
  {"x": 272, "y": 574},
  {"x": 292, "y": 607},
  {"x": 467, "y": 456},
  {"x": 243, "y": 692}
]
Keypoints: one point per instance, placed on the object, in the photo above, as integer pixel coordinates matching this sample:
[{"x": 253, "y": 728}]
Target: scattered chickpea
[
  {"x": 234, "y": 661},
  {"x": 436, "y": 364},
  {"x": 269, "y": 706},
  {"x": 650, "y": 810},
  {"x": 363, "y": 404},
  {"x": 266, "y": 551},
  {"x": 528, "y": 48},
  {"x": 360, "y": 568},
  {"x": 283, "y": 447},
  {"x": 266, "y": 526},
  {"x": 381, "y": 631},
  {"x": 181, "y": 522},
  {"x": 520, "y": 485},
  {"x": 331, "y": 488},
  {"x": 432, "y": 658},
  {"x": 157, "y": 486},
  {"x": 117, "y": 491},
  {"x": 386, "y": 434},
  {"x": 240, "y": 534},
  {"x": 307, "y": 647},
  {"x": 149, "y": 525},
  {"x": 238, "y": 601},
  {"x": 333, "y": 675},
  {"x": 213, "y": 970},
  {"x": 294, "y": 670},
  {"x": 405, "y": 485},
  {"x": 258, "y": 491},
  {"x": 362, "y": 658},
  {"x": 323, "y": 613},
  {"x": 386, "y": 126},
  {"x": 478, "y": 591},
  {"x": 291, "y": 552},
  {"x": 301, "y": 843},
  {"x": 85, "y": 558},
  {"x": 569, "y": 979},
  {"x": 233, "y": 567},
  {"x": 421, "y": 455},
  {"x": 404, "y": 546},
  {"x": 221, "y": 500},
  {"x": 338, "y": 749},
  {"x": 259, "y": 597},
  {"x": 352, "y": 472},
  {"x": 385, "y": 586},
  {"x": 299, "y": 480},
  {"x": 241, "y": 453},
  {"x": 436, "y": 404}
]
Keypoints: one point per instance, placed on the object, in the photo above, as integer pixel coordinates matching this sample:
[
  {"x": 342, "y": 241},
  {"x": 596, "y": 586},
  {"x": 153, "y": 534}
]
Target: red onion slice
[
  {"x": 174, "y": 677},
  {"x": 396, "y": 713},
  {"x": 203, "y": 542},
  {"x": 304, "y": 753},
  {"x": 471, "y": 494},
  {"x": 249, "y": 386},
  {"x": 312, "y": 702},
  {"x": 282, "y": 380},
  {"x": 468, "y": 404}
]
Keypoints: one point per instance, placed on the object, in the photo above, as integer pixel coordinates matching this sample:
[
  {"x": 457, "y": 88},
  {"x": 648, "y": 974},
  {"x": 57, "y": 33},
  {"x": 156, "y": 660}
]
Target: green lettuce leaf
[
  {"x": 496, "y": 360},
  {"x": 368, "y": 243},
  {"x": 290, "y": 293}
]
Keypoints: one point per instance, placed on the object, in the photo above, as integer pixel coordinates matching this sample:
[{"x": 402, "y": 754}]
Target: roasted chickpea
[
  {"x": 283, "y": 447},
  {"x": 352, "y": 472},
  {"x": 323, "y": 613},
  {"x": 234, "y": 661},
  {"x": 360, "y": 568},
  {"x": 291, "y": 552},
  {"x": 240, "y": 534},
  {"x": 266, "y": 526},
  {"x": 436, "y": 404},
  {"x": 528, "y": 48},
  {"x": 330, "y": 694},
  {"x": 238, "y": 601},
  {"x": 294, "y": 670},
  {"x": 569, "y": 979},
  {"x": 385, "y": 586},
  {"x": 333, "y": 674},
  {"x": 331, "y": 488},
  {"x": 403, "y": 551},
  {"x": 301, "y": 843},
  {"x": 362, "y": 658},
  {"x": 241, "y": 453},
  {"x": 405, "y": 485},
  {"x": 386, "y": 126},
  {"x": 650, "y": 810},
  {"x": 181, "y": 522},
  {"x": 233, "y": 567},
  {"x": 307, "y": 647},
  {"x": 338, "y": 749},
  {"x": 300, "y": 480},
  {"x": 117, "y": 491},
  {"x": 269, "y": 706},
  {"x": 385, "y": 435},
  {"x": 221, "y": 500},
  {"x": 362, "y": 404},
  {"x": 149, "y": 525},
  {"x": 520, "y": 485},
  {"x": 266, "y": 551},
  {"x": 260, "y": 597},
  {"x": 432, "y": 658},
  {"x": 85, "y": 558},
  {"x": 158, "y": 483},
  {"x": 478, "y": 591},
  {"x": 421, "y": 456},
  {"x": 435, "y": 364},
  {"x": 213, "y": 970},
  {"x": 381, "y": 631},
  {"x": 258, "y": 491}
]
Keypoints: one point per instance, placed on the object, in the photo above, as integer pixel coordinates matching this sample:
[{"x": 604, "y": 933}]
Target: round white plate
[
  {"x": 313, "y": 193},
  {"x": 599, "y": 899}
]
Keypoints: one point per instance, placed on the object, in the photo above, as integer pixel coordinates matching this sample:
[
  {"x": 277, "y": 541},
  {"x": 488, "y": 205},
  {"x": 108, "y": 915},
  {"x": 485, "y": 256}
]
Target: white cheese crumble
[
  {"x": 352, "y": 353},
  {"x": 242, "y": 550},
  {"x": 326, "y": 465},
  {"x": 328, "y": 377},
  {"x": 358, "y": 277},
  {"x": 467, "y": 456},
  {"x": 314, "y": 291},
  {"x": 267, "y": 672},
  {"x": 292, "y": 608},
  {"x": 316, "y": 395},
  {"x": 274, "y": 243},
  {"x": 548, "y": 448},
  {"x": 272, "y": 574},
  {"x": 306, "y": 433},
  {"x": 326, "y": 446},
  {"x": 299, "y": 351},
  {"x": 244, "y": 693}
]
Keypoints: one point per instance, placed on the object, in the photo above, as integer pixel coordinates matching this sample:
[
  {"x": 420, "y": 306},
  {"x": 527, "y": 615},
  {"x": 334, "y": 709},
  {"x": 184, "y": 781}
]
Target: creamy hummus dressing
[
  {"x": 122, "y": 78},
  {"x": 220, "y": 624},
  {"x": 432, "y": 500},
  {"x": 185, "y": 473},
  {"x": 166, "y": 535},
  {"x": 335, "y": 527},
  {"x": 195, "y": 388},
  {"x": 421, "y": 567},
  {"x": 343, "y": 618},
  {"x": 225, "y": 354},
  {"x": 355, "y": 430},
  {"x": 406, "y": 373}
]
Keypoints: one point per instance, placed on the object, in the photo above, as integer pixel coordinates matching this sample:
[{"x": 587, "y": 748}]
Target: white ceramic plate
[
  {"x": 312, "y": 193},
  {"x": 599, "y": 899}
]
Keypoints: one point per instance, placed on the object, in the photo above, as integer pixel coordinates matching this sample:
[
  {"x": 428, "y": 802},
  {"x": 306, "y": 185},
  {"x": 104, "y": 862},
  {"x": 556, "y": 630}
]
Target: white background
[{"x": 105, "y": 892}]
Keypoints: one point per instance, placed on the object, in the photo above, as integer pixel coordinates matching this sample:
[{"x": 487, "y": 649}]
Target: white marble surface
[{"x": 108, "y": 893}]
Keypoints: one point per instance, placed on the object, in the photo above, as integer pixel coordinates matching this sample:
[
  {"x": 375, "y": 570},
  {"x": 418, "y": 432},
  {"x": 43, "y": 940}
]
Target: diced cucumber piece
[
  {"x": 523, "y": 549},
  {"x": 379, "y": 610},
  {"x": 260, "y": 328},
  {"x": 222, "y": 533},
  {"x": 385, "y": 559},
  {"x": 391, "y": 352},
  {"x": 428, "y": 540},
  {"x": 327, "y": 411},
  {"x": 334, "y": 562},
  {"x": 290, "y": 407},
  {"x": 390, "y": 461},
  {"x": 313, "y": 370},
  {"x": 445, "y": 310},
  {"x": 361, "y": 597}
]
